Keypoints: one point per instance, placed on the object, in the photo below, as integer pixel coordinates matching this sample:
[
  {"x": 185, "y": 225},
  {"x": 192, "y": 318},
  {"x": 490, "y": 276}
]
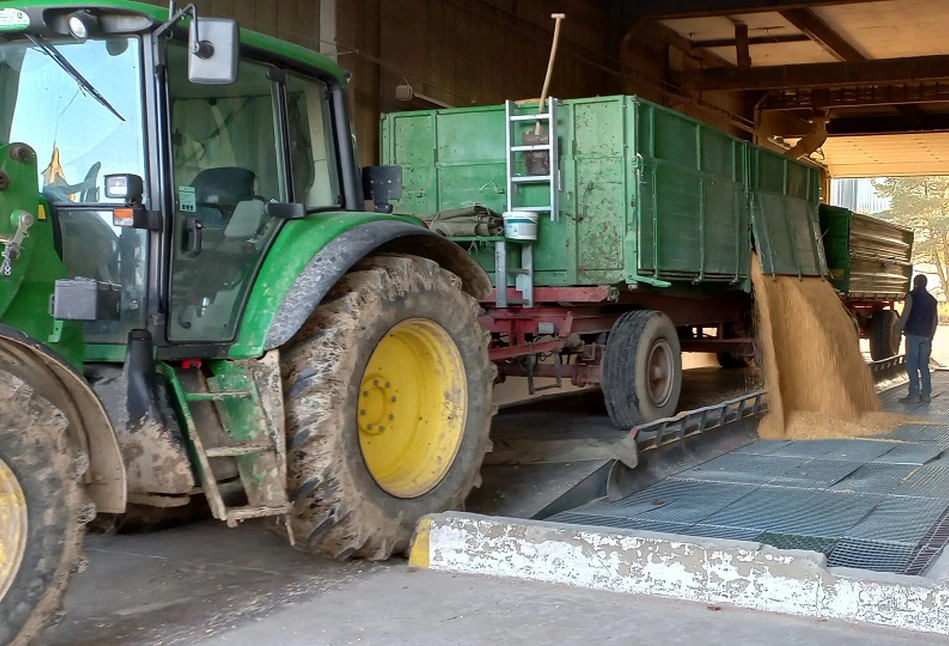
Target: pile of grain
[
  {"x": 819, "y": 385},
  {"x": 801, "y": 425}
]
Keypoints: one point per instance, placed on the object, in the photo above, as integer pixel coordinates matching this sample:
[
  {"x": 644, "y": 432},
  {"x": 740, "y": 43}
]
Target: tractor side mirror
[
  {"x": 213, "y": 51},
  {"x": 381, "y": 184}
]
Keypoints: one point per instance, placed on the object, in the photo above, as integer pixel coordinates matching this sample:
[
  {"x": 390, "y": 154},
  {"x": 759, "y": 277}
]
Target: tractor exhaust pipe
[{"x": 141, "y": 375}]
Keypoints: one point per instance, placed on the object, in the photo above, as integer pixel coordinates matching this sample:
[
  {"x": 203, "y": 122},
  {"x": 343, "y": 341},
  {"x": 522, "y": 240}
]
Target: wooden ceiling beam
[
  {"x": 821, "y": 33},
  {"x": 867, "y": 72}
]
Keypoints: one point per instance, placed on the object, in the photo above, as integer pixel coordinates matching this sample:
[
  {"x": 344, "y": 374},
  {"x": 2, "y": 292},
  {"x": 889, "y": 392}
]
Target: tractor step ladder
[
  {"x": 524, "y": 274},
  {"x": 260, "y": 452}
]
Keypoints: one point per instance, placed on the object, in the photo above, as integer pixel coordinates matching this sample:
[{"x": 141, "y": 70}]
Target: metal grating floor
[
  {"x": 751, "y": 469},
  {"x": 817, "y": 473},
  {"x": 806, "y": 512},
  {"x": 877, "y": 503},
  {"x": 871, "y": 555},
  {"x": 863, "y": 450},
  {"x": 876, "y": 477},
  {"x": 928, "y": 481},
  {"x": 919, "y": 433},
  {"x": 678, "y": 501}
]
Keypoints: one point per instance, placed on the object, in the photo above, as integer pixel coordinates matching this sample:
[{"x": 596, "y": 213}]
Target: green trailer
[
  {"x": 647, "y": 224},
  {"x": 871, "y": 266}
]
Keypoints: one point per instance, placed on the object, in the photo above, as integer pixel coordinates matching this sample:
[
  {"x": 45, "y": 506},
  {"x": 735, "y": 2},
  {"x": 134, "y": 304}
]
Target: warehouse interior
[
  {"x": 846, "y": 525},
  {"x": 872, "y": 71}
]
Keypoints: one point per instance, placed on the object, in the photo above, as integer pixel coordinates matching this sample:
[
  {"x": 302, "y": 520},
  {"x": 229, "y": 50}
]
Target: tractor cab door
[{"x": 228, "y": 164}]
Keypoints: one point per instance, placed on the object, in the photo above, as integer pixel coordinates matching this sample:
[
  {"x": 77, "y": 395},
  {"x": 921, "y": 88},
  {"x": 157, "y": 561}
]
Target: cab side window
[
  {"x": 228, "y": 164},
  {"x": 312, "y": 151}
]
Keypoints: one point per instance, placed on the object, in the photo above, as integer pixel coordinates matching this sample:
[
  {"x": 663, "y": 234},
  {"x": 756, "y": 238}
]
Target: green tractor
[{"x": 195, "y": 303}]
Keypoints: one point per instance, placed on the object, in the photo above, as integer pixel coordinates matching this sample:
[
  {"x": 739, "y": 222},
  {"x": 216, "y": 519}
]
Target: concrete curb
[{"x": 713, "y": 571}]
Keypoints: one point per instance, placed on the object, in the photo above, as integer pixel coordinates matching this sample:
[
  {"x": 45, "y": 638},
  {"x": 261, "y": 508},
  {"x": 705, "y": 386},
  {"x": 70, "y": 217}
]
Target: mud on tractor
[{"x": 194, "y": 301}]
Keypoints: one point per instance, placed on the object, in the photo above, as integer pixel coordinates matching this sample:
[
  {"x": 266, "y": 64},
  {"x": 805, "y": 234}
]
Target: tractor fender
[
  {"x": 348, "y": 248},
  {"x": 52, "y": 377}
]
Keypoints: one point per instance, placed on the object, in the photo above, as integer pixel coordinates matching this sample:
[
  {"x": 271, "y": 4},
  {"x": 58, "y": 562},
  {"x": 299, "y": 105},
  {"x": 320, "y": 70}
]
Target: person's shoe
[
  {"x": 909, "y": 399},
  {"x": 924, "y": 399}
]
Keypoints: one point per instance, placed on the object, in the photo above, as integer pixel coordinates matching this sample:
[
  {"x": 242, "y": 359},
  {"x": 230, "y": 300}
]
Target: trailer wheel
[
  {"x": 642, "y": 369},
  {"x": 43, "y": 511},
  {"x": 732, "y": 361},
  {"x": 884, "y": 338},
  {"x": 856, "y": 325},
  {"x": 388, "y": 398}
]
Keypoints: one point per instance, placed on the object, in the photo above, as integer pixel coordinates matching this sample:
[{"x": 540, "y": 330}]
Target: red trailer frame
[{"x": 575, "y": 320}]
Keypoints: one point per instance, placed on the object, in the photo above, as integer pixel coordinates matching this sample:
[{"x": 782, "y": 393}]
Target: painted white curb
[{"x": 745, "y": 574}]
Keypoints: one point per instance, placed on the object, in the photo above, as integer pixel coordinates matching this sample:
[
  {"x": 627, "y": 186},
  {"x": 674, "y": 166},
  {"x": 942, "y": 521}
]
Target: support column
[{"x": 327, "y": 23}]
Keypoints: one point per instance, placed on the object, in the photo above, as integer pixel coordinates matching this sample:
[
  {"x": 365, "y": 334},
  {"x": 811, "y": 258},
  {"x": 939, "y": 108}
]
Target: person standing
[{"x": 918, "y": 322}]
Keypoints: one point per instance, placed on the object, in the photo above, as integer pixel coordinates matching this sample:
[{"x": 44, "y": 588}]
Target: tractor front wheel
[
  {"x": 43, "y": 511},
  {"x": 388, "y": 398}
]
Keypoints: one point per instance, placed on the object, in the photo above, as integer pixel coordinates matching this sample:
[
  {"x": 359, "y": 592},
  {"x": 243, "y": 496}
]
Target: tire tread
[{"x": 330, "y": 516}]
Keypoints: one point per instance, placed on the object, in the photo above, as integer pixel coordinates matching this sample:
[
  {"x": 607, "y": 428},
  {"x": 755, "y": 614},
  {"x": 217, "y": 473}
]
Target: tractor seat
[
  {"x": 246, "y": 221},
  {"x": 218, "y": 191}
]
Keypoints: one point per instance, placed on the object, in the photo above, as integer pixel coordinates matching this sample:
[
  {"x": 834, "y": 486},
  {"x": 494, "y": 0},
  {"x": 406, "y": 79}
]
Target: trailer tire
[
  {"x": 884, "y": 336},
  {"x": 396, "y": 343},
  {"x": 43, "y": 508},
  {"x": 642, "y": 369},
  {"x": 732, "y": 361}
]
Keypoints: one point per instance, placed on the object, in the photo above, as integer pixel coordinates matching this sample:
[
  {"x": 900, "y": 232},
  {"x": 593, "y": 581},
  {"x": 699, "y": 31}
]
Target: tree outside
[{"x": 921, "y": 203}]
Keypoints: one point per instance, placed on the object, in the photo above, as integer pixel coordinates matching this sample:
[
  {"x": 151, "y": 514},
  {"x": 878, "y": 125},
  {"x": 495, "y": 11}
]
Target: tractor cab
[
  {"x": 170, "y": 157},
  {"x": 196, "y": 308}
]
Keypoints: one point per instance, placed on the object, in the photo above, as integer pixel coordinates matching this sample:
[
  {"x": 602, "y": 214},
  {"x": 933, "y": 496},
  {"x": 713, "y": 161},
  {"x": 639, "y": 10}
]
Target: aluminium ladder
[{"x": 524, "y": 275}]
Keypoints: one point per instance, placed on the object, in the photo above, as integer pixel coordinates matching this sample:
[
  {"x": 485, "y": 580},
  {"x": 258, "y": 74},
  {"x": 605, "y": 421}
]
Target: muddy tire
[
  {"x": 40, "y": 483},
  {"x": 731, "y": 360},
  {"x": 642, "y": 369},
  {"x": 884, "y": 337},
  {"x": 365, "y": 361}
]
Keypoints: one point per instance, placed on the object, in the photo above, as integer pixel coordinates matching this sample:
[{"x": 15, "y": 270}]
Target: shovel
[{"x": 538, "y": 163}]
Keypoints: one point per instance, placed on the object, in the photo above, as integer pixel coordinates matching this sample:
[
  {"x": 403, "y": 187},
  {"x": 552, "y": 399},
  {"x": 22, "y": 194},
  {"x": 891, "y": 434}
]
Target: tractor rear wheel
[
  {"x": 388, "y": 400},
  {"x": 43, "y": 511},
  {"x": 884, "y": 337},
  {"x": 642, "y": 369}
]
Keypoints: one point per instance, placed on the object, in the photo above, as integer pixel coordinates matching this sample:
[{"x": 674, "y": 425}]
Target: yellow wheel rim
[
  {"x": 12, "y": 527},
  {"x": 412, "y": 408}
]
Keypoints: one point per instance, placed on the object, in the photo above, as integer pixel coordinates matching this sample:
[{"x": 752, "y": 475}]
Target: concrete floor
[
  {"x": 207, "y": 584},
  {"x": 210, "y": 585}
]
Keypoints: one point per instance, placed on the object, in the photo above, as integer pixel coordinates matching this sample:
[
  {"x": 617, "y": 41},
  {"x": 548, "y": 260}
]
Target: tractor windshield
[{"x": 79, "y": 105}]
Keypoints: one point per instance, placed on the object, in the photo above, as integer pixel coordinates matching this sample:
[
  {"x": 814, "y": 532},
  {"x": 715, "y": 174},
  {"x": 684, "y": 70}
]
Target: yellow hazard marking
[
  {"x": 419, "y": 552},
  {"x": 41, "y": 212}
]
